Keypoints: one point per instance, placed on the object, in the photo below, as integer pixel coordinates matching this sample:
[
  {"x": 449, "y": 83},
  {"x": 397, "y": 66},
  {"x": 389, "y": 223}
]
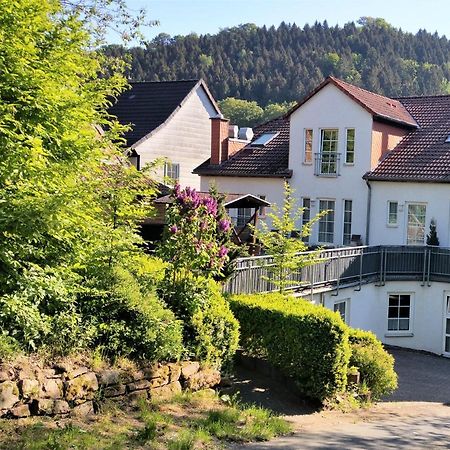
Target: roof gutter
[{"x": 369, "y": 201}]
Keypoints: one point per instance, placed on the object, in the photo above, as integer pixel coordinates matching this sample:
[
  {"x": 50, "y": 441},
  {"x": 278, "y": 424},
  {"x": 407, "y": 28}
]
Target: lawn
[{"x": 200, "y": 420}]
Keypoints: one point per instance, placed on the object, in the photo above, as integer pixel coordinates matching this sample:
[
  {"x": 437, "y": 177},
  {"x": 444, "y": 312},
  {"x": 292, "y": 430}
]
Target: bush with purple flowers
[
  {"x": 198, "y": 235},
  {"x": 196, "y": 248}
]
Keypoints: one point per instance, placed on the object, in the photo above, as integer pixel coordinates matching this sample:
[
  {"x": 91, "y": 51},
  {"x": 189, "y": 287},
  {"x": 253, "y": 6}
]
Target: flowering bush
[
  {"x": 196, "y": 248},
  {"x": 197, "y": 238}
]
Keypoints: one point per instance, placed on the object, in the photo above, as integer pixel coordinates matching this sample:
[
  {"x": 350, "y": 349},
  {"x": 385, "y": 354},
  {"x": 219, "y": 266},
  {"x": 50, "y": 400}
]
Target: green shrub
[
  {"x": 374, "y": 363},
  {"x": 211, "y": 333},
  {"x": 306, "y": 342},
  {"x": 8, "y": 346},
  {"x": 129, "y": 322},
  {"x": 41, "y": 312}
]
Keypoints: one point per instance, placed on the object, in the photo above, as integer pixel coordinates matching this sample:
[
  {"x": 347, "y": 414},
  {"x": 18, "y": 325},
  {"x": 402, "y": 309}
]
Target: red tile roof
[
  {"x": 270, "y": 160},
  {"x": 379, "y": 106},
  {"x": 422, "y": 155}
]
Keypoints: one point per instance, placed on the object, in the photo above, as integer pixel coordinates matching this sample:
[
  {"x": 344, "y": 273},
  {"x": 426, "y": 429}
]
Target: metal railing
[
  {"x": 346, "y": 266},
  {"x": 327, "y": 164}
]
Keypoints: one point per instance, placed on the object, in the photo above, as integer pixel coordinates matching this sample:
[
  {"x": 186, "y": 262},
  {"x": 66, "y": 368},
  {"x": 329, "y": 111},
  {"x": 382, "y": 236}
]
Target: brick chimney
[{"x": 219, "y": 139}]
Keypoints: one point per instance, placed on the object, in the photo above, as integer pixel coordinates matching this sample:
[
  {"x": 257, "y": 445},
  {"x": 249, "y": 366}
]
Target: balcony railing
[
  {"x": 345, "y": 267},
  {"x": 327, "y": 164}
]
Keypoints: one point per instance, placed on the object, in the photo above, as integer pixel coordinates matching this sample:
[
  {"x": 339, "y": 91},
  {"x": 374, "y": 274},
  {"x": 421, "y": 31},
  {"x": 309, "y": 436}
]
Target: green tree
[
  {"x": 241, "y": 112},
  {"x": 284, "y": 243},
  {"x": 274, "y": 110},
  {"x": 69, "y": 204}
]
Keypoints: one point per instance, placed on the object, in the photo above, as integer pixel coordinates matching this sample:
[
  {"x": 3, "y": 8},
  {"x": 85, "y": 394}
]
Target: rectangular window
[
  {"x": 392, "y": 216},
  {"x": 328, "y": 152},
  {"x": 307, "y": 157},
  {"x": 172, "y": 171},
  {"x": 341, "y": 308},
  {"x": 350, "y": 146},
  {"x": 415, "y": 234},
  {"x": 243, "y": 216},
  {"x": 306, "y": 216},
  {"x": 347, "y": 234},
  {"x": 399, "y": 312},
  {"x": 447, "y": 326},
  {"x": 262, "y": 209},
  {"x": 326, "y": 223}
]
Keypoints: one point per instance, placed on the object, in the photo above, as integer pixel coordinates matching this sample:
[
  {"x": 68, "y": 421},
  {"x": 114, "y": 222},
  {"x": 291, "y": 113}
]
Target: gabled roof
[
  {"x": 423, "y": 155},
  {"x": 149, "y": 105},
  {"x": 230, "y": 200},
  {"x": 383, "y": 108},
  {"x": 270, "y": 160}
]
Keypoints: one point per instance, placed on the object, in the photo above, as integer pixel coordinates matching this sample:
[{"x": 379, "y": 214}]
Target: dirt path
[{"x": 417, "y": 416}]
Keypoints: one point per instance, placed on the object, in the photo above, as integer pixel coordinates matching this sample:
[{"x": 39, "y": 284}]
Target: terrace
[{"x": 344, "y": 267}]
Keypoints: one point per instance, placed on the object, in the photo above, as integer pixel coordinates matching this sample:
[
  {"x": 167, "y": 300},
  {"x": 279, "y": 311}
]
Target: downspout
[{"x": 369, "y": 201}]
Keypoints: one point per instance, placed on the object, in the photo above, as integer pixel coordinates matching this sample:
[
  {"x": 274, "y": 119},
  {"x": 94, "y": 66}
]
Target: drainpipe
[{"x": 369, "y": 201}]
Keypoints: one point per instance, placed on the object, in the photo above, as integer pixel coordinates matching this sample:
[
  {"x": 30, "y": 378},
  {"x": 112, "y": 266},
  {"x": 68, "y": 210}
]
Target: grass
[{"x": 189, "y": 421}]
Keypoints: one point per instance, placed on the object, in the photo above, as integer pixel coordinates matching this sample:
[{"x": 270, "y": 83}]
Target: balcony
[
  {"x": 349, "y": 266},
  {"x": 327, "y": 164}
]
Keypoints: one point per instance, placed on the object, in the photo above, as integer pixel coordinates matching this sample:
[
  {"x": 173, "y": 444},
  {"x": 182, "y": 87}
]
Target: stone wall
[{"x": 29, "y": 387}]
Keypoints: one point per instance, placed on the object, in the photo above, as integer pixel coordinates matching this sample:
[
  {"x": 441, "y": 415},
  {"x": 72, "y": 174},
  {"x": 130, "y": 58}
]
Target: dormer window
[{"x": 264, "y": 139}]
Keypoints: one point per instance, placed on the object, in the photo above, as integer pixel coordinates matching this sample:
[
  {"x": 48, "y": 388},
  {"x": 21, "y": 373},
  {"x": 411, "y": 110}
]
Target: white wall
[
  {"x": 436, "y": 196},
  {"x": 185, "y": 139},
  {"x": 272, "y": 188},
  {"x": 330, "y": 108},
  {"x": 368, "y": 310}
]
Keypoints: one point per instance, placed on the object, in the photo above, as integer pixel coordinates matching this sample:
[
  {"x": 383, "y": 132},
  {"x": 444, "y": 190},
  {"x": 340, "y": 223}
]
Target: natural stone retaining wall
[{"x": 28, "y": 387}]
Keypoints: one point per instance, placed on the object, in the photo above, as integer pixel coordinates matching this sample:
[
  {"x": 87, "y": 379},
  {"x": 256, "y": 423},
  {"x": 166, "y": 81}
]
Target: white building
[
  {"x": 169, "y": 120},
  {"x": 381, "y": 167}
]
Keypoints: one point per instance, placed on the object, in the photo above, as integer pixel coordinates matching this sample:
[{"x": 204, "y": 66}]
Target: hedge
[
  {"x": 306, "y": 342},
  {"x": 374, "y": 363}
]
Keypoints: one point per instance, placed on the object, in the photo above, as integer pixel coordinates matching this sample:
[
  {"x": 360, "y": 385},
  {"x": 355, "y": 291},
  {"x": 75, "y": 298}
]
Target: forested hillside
[{"x": 282, "y": 64}]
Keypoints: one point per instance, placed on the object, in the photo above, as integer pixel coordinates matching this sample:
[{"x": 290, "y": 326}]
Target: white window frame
[
  {"x": 388, "y": 214},
  {"x": 325, "y": 219},
  {"x": 407, "y": 240},
  {"x": 401, "y": 333},
  {"x": 346, "y": 302},
  {"x": 305, "y": 142},
  {"x": 242, "y": 216},
  {"x": 446, "y": 316},
  {"x": 344, "y": 222},
  {"x": 346, "y": 146},
  {"x": 326, "y": 158},
  {"x": 169, "y": 169}
]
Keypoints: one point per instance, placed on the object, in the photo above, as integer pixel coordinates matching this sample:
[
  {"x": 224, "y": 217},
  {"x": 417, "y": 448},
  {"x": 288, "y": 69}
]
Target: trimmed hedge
[
  {"x": 306, "y": 342},
  {"x": 374, "y": 363}
]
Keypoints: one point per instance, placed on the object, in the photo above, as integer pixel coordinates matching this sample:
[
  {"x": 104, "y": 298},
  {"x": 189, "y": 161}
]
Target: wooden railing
[{"x": 346, "y": 266}]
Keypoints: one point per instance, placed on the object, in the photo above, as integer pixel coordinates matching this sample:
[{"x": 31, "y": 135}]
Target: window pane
[
  {"x": 447, "y": 327},
  {"x": 447, "y": 344},
  {"x": 326, "y": 223},
  {"x": 393, "y": 324},
  {"x": 350, "y": 146},
  {"x": 392, "y": 213},
  {"x": 416, "y": 224},
  {"x": 403, "y": 324},
  {"x": 308, "y": 146},
  {"x": 404, "y": 312}
]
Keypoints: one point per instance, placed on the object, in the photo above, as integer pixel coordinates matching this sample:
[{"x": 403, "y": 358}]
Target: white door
[{"x": 447, "y": 326}]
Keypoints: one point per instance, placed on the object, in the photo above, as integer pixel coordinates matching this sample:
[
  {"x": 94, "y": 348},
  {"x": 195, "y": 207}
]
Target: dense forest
[{"x": 281, "y": 64}]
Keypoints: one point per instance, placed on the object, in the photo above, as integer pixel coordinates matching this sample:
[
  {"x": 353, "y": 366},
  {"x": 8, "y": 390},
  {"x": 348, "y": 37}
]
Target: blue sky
[{"x": 209, "y": 16}]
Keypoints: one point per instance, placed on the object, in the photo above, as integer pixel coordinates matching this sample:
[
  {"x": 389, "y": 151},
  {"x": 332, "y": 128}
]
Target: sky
[{"x": 180, "y": 17}]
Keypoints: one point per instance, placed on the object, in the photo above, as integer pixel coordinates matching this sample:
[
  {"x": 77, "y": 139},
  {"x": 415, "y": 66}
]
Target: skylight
[
  {"x": 448, "y": 138},
  {"x": 264, "y": 139}
]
